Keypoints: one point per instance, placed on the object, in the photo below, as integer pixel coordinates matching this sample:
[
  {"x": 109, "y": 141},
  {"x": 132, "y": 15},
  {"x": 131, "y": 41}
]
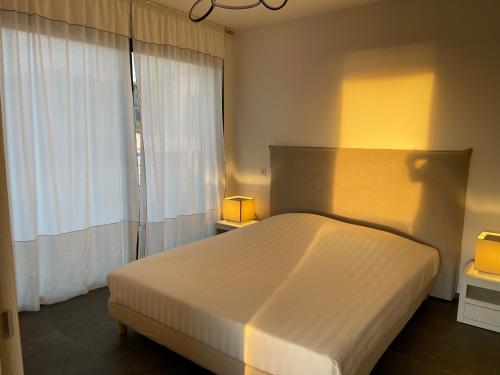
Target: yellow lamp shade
[
  {"x": 238, "y": 209},
  {"x": 488, "y": 253}
]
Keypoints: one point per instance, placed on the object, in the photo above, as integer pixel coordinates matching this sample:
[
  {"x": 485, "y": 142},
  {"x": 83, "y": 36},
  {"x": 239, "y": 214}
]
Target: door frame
[{"x": 11, "y": 362}]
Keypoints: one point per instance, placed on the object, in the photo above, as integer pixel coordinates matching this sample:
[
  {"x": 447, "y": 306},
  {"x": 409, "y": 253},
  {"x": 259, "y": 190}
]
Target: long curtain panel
[
  {"x": 70, "y": 154},
  {"x": 180, "y": 93}
]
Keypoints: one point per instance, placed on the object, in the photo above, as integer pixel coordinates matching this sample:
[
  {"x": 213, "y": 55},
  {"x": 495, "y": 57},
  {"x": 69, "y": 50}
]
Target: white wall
[{"x": 330, "y": 81}]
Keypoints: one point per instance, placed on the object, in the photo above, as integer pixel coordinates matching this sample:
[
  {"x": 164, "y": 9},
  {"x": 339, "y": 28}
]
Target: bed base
[
  {"x": 221, "y": 363},
  {"x": 183, "y": 345}
]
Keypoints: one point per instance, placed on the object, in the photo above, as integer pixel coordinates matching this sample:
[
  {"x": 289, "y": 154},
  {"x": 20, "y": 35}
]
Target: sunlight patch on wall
[
  {"x": 389, "y": 112},
  {"x": 386, "y": 98}
]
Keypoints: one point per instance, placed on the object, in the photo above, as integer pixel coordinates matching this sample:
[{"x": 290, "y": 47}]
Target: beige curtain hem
[
  {"x": 160, "y": 25},
  {"x": 105, "y": 15},
  {"x": 152, "y": 23}
]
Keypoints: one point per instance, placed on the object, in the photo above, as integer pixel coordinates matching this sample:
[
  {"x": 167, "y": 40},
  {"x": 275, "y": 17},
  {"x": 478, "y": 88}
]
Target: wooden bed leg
[{"x": 122, "y": 328}]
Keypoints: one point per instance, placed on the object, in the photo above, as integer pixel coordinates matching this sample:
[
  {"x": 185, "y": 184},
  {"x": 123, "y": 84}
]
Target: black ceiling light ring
[
  {"x": 236, "y": 7},
  {"x": 217, "y": 4},
  {"x": 270, "y": 7},
  {"x": 201, "y": 18}
]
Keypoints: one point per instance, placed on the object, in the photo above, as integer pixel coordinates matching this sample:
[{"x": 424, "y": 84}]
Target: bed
[{"x": 323, "y": 285}]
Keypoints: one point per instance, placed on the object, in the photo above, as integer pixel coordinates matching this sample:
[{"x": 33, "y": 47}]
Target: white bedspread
[{"x": 294, "y": 294}]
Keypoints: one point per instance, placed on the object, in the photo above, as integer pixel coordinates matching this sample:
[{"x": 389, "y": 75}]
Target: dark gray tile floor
[{"x": 78, "y": 337}]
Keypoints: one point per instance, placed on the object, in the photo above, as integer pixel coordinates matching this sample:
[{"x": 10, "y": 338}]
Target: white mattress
[{"x": 294, "y": 294}]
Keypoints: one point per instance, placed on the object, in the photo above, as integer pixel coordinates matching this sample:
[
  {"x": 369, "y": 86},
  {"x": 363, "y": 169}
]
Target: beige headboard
[{"x": 417, "y": 194}]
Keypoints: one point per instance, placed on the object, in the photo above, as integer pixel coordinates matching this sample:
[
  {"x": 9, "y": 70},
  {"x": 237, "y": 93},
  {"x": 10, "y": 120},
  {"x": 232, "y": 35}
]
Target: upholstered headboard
[{"x": 417, "y": 194}]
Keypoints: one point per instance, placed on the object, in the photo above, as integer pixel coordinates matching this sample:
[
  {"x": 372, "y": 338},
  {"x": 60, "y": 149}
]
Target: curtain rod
[{"x": 227, "y": 30}]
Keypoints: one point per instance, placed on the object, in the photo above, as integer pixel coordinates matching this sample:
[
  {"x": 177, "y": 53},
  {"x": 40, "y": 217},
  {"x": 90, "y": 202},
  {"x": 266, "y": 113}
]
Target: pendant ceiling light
[{"x": 217, "y": 4}]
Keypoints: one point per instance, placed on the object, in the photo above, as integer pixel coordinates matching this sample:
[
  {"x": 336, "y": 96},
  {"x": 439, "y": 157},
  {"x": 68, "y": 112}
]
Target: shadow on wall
[{"x": 466, "y": 113}]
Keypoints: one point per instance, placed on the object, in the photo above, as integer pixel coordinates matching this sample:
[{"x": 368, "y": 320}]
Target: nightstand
[
  {"x": 225, "y": 225},
  {"x": 480, "y": 299}
]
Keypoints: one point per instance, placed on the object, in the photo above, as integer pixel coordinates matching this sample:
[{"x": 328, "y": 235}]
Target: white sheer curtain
[
  {"x": 69, "y": 138},
  {"x": 180, "y": 93}
]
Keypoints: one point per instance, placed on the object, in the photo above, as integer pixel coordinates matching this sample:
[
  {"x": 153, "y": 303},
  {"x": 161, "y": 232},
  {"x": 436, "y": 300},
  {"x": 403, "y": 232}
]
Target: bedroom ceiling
[{"x": 260, "y": 16}]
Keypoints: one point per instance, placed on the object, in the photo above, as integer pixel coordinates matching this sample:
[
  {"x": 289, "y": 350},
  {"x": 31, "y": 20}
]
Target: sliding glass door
[{"x": 75, "y": 153}]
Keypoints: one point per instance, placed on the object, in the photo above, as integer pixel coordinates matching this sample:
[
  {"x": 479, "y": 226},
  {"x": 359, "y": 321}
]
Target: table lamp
[
  {"x": 238, "y": 209},
  {"x": 488, "y": 253}
]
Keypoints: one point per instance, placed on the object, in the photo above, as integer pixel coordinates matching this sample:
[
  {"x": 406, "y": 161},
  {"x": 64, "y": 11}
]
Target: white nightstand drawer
[{"x": 482, "y": 314}]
